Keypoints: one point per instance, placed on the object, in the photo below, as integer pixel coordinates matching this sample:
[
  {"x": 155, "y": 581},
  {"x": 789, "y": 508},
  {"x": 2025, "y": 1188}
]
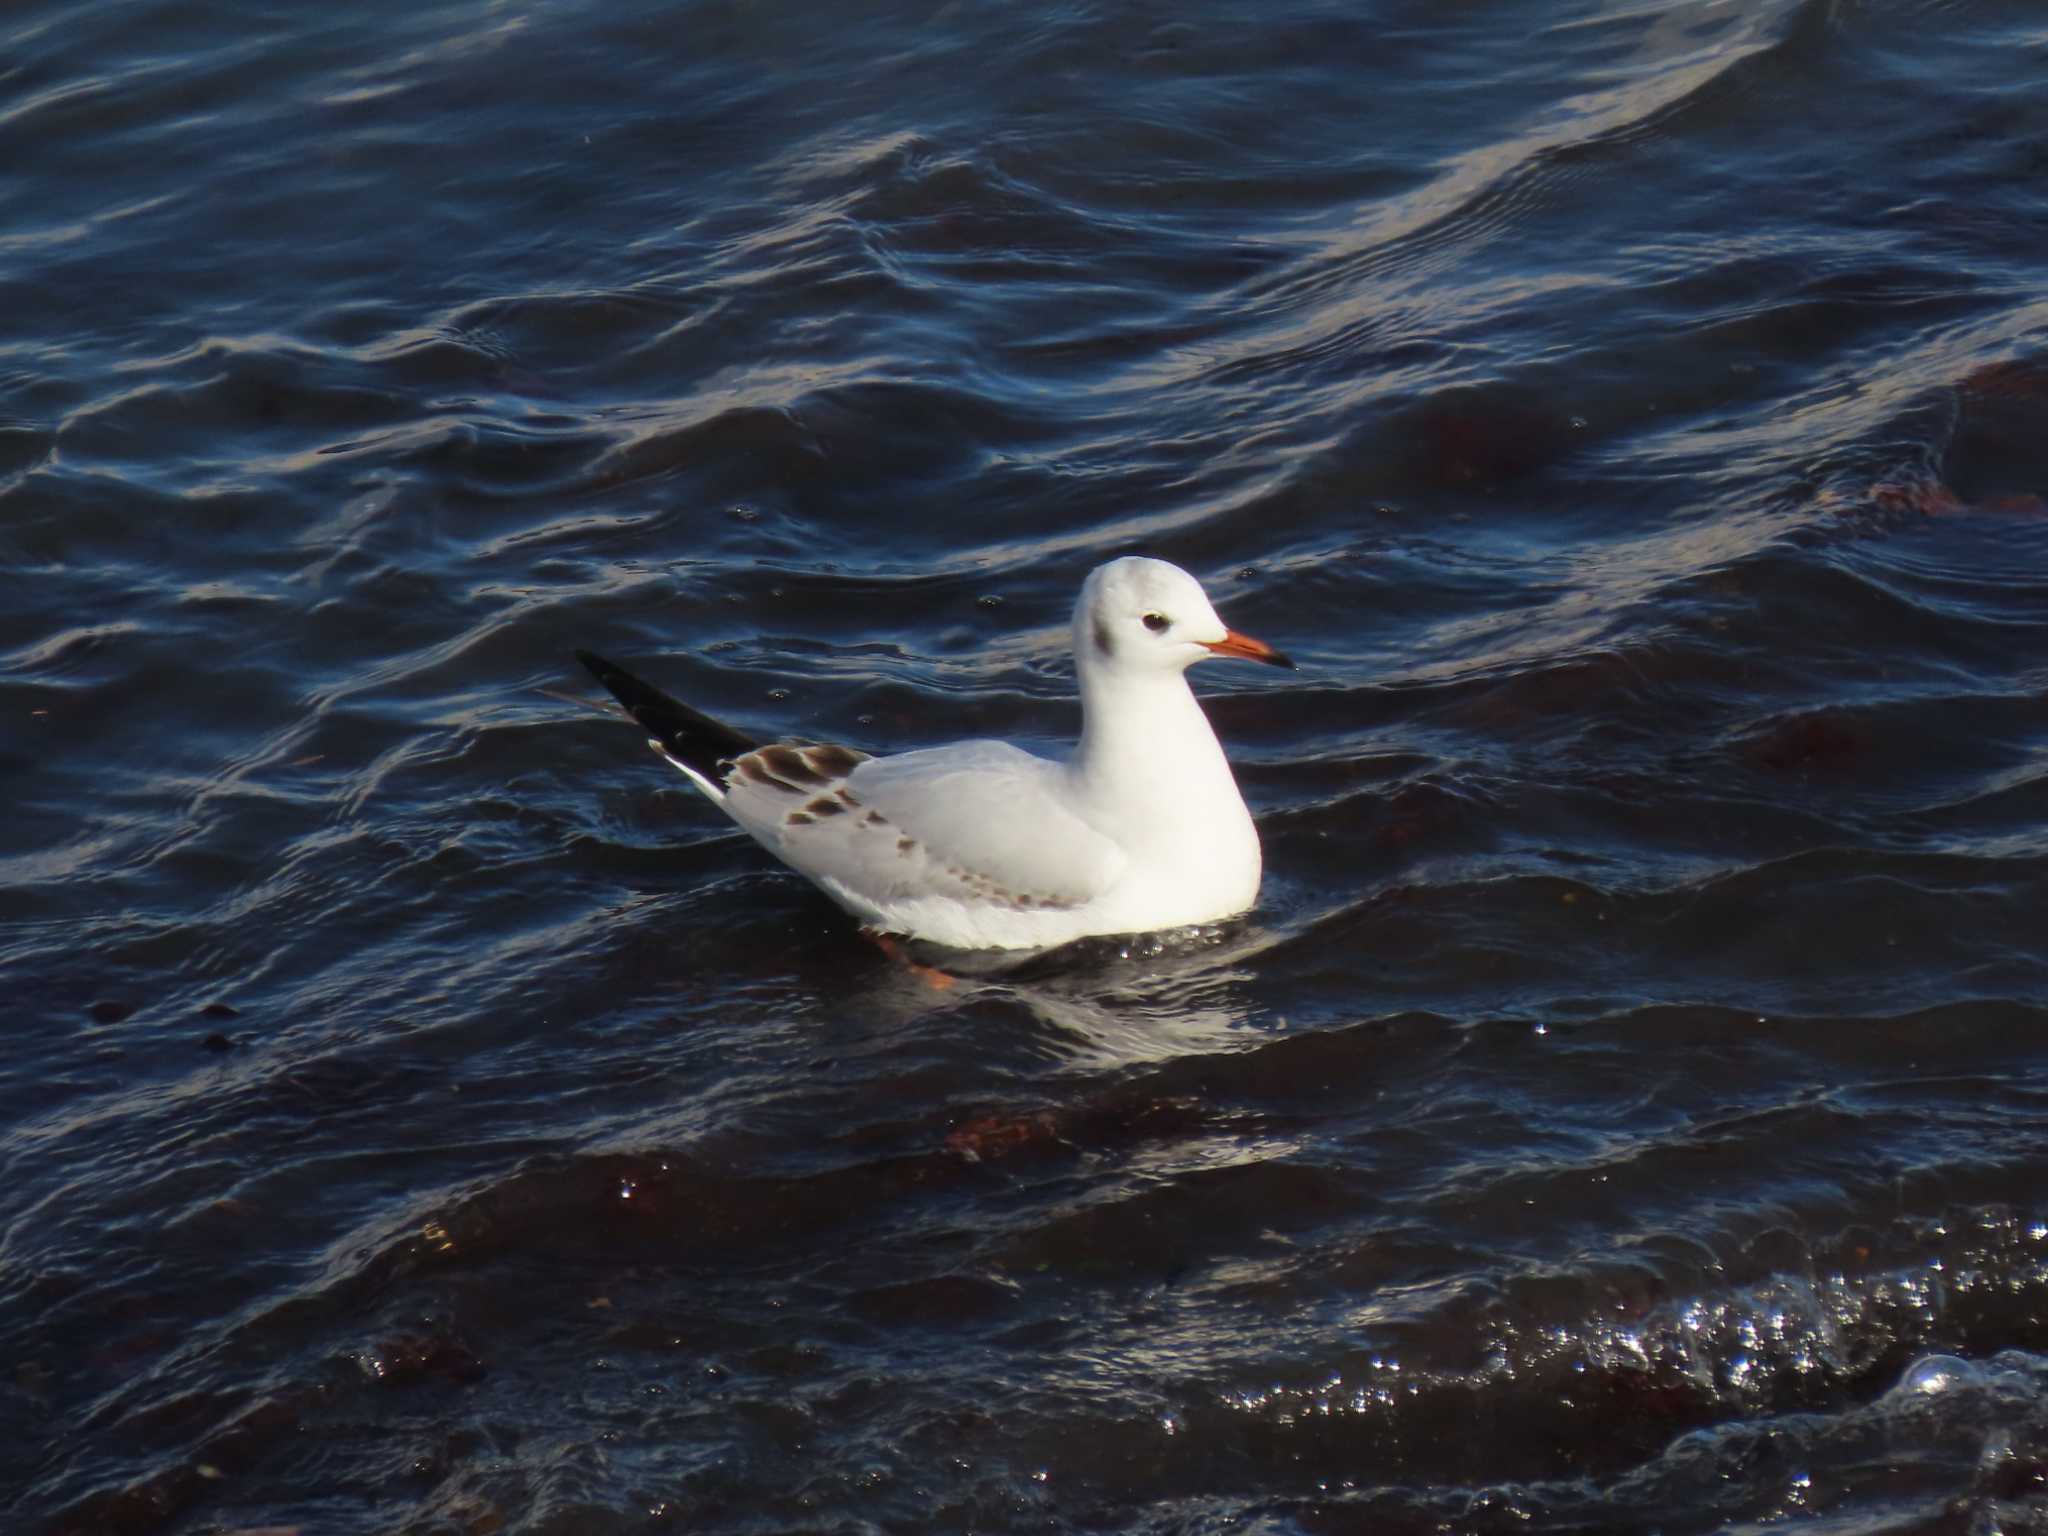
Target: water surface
[{"x": 1627, "y": 1109}]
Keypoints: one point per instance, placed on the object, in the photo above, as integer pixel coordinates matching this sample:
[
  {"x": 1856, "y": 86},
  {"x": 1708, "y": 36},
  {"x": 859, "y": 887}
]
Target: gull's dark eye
[{"x": 1157, "y": 622}]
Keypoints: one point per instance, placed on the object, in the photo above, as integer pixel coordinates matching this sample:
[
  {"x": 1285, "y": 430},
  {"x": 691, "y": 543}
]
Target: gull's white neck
[
  {"x": 1148, "y": 768},
  {"x": 1141, "y": 734}
]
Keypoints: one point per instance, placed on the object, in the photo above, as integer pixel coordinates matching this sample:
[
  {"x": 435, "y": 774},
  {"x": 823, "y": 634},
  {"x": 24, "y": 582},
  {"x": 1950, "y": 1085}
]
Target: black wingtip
[{"x": 685, "y": 734}]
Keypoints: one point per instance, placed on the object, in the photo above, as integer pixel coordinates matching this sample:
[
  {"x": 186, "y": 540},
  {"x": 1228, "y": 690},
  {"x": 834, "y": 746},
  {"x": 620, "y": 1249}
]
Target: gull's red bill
[{"x": 1234, "y": 644}]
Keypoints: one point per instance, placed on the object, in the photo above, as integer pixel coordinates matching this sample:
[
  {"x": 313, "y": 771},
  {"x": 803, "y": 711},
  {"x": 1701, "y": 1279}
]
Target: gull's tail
[{"x": 695, "y": 743}]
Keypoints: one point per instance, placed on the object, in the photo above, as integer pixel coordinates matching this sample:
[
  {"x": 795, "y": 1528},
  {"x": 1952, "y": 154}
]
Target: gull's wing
[
  {"x": 981, "y": 821},
  {"x": 975, "y": 839},
  {"x": 697, "y": 744}
]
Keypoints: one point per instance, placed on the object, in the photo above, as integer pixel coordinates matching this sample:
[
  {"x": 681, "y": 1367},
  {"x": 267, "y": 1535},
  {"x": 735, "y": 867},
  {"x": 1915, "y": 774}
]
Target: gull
[{"x": 982, "y": 845}]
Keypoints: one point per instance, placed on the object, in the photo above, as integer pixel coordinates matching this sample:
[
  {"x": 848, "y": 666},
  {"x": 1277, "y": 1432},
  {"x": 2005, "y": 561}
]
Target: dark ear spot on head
[{"x": 1104, "y": 644}]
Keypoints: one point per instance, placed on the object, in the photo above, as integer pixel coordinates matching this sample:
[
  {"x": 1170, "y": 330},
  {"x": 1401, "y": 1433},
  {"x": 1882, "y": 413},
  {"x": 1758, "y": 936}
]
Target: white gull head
[{"x": 1137, "y": 615}]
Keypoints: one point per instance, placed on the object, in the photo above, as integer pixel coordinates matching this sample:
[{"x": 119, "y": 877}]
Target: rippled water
[{"x": 1627, "y": 1109}]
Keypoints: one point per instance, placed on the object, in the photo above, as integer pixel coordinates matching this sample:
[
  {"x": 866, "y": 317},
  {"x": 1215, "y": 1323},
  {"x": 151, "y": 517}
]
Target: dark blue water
[{"x": 1627, "y": 1109}]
